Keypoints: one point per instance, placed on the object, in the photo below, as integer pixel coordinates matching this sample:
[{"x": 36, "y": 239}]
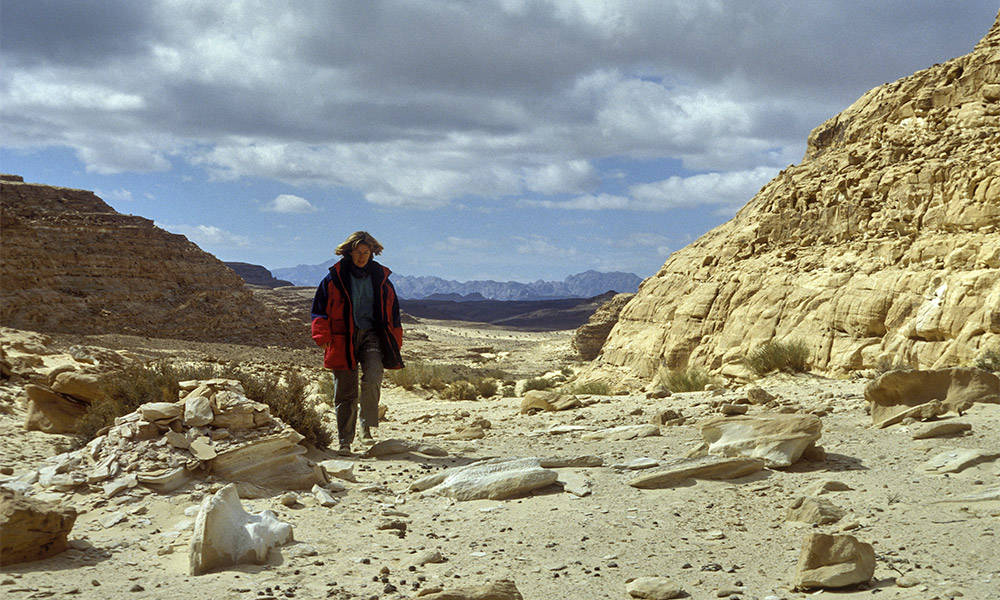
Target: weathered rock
[
  {"x": 126, "y": 274},
  {"x": 32, "y": 530},
  {"x": 923, "y": 412},
  {"x": 824, "y": 486},
  {"x": 956, "y": 388},
  {"x": 202, "y": 449},
  {"x": 942, "y": 429},
  {"x": 495, "y": 479},
  {"x": 397, "y": 446},
  {"x": 198, "y": 410},
  {"x": 539, "y": 400},
  {"x": 882, "y": 242},
  {"x": 274, "y": 461},
  {"x": 707, "y": 467},
  {"x": 778, "y": 439},
  {"x": 161, "y": 411},
  {"x": 623, "y": 433},
  {"x": 467, "y": 433},
  {"x": 503, "y": 589},
  {"x": 667, "y": 416},
  {"x": 653, "y": 588},
  {"x": 758, "y": 395},
  {"x": 235, "y": 411},
  {"x": 79, "y": 385},
  {"x": 574, "y": 483},
  {"x": 818, "y": 511},
  {"x": 953, "y": 461},
  {"x": 51, "y": 412},
  {"x": 226, "y": 535},
  {"x": 589, "y": 337},
  {"x": 341, "y": 469},
  {"x": 834, "y": 561},
  {"x": 555, "y": 462}
]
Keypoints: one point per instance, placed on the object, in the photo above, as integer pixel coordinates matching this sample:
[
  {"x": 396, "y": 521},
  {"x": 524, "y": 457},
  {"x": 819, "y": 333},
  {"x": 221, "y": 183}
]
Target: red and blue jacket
[{"x": 333, "y": 317}]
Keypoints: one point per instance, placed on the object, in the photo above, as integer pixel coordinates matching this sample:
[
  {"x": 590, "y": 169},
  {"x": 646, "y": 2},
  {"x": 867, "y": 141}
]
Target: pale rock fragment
[
  {"x": 495, "y": 479},
  {"x": 275, "y": 461},
  {"x": 51, "y": 412},
  {"x": 585, "y": 460},
  {"x": 778, "y": 439},
  {"x": 397, "y": 446},
  {"x": 834, "y": 561},
  {"x": 79, "y": 385},
  {"x": 959, "y": 459},
  {"x": 504, "y": 589},
  {"x": 202, "y": 449},
  {"x": 161, "y": 411},
  {"x": 816, "y": 511},
  {"x": 113, "y": 488},
  {"x": 235, "y": 411},
  {"x": 177, "y": 439},
  {"x": 341, "y": 469},
  {"x": 32, "y": 529},
  {"x": 574, "y": 483},
  {"x": 942, "y": 429},
  {"x": 198, "y": 411},
  {"x": 956, "y": 388},
  {"x": 823, "y": 486},
  {"x": 653, "y": 588},
  {"x": 623, "y": 433},
  {"x": 226, "y": 535}
]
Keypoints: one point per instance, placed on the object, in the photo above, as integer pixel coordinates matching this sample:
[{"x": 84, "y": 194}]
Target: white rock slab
[
  {"x": 574, "y": 483},
  {"x": 158, "y": 411},
  {"x": 341, "y": 469},
  {"x": 495, "y": 479},
  {"x": 953, "y": 461},
  {"x": 226, "y": 535},
  {"x": 324, "y": 497},
  {"x": 198, "y": 411},
  {"x": 779, "y": 439}
]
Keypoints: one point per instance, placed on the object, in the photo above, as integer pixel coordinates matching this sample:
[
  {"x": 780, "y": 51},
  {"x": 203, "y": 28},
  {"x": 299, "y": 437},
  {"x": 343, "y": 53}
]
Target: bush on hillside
[
  {"x": 538, "y": 383},
  {"x": 596, "y": 388},
  {"x": 459, "y": 390},
  {"x": 771, "y": 356}
]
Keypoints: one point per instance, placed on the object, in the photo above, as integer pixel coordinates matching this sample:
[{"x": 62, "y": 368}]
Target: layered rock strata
[
  {"x": 883, "y": 244},
  {"x": 70, "y": 263}
]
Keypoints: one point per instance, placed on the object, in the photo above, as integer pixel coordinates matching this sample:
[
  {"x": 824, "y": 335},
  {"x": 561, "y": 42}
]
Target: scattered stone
[
  {"x": 757, "y": 395},
  {"x": 83, "y": 386},
  {"x": 953, "y": 461},
  {"x": 733, "y": 409},
  {"x": 817, "y": 511},
  {"x": 226, "y": 535},
  {"x": 653, "y": 588},
  {"x": 397, "y": 446},
  {"x": 907, "y": 581},
  {"x": 201, "y": 448},
  {"x": 778, "y": 439},
  {"x": 574, "y": 483},
  {"x": 818, "y": 488},
  {"x": 428, "y": 556},
  {"x": 161, "y": 411},
  {"x": 943, "y": 429},
  {"x": 274, "y": 461},
  {"x": 637, "y": 464},
  {"x": 198, "y": 410},
  {"x": 177, "y": 439},
  {"x": 623, "y": 433},
  {"x": 706, "y": 467},
  {"x": 503, "y": 589},
  {"x": 341, "y": 469},
  {"x": 834, "y": 561},
  {"x": 119, "y": 485},
  {"x": 111, "y": 519},
  {"x": 557, "y": 462},
  {"x": 495, "y": 479},
  {"x": 922, "y": 412},
  {"x": 32, "y": 529},
  {"x": 667, "y": 416},
  {"x": 289, "y": 499},
  {"x": 540, "y": 400}
]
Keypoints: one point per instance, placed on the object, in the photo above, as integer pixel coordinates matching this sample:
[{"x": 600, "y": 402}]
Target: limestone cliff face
[
  {"x": 884, "y": 242},
  {"x": 70, "y": 263}
]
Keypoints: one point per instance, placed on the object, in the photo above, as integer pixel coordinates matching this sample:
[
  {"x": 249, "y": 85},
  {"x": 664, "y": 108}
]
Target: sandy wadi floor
[{"x": 713, "y": 538}]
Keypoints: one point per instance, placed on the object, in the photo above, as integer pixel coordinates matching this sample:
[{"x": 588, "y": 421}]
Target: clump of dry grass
[
  {"x": 691, "y": 379},
  {"x": 538, "y": 383},
  {"x": 771, "y": 356},
  {"x": 442, "y": 377},
  {"x": 596, "y": 388}
]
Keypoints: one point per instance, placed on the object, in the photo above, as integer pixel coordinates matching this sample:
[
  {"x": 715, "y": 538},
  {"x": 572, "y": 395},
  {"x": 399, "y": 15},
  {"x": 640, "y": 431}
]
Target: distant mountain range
[{"x": 582, "y": 285}]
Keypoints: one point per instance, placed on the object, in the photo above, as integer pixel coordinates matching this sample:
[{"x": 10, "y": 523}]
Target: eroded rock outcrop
[
  {"x": 882, "y": 244},
  {"x": 32, "y": 529},
  {"x": 590, "y": 337},
  {"x": 70, "y": 263}
]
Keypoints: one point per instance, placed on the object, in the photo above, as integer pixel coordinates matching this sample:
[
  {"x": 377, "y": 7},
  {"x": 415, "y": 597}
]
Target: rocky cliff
[
  {"x": 882, "y": 244},
  {"x": 70, "y": 263},
  {"x": 256, "y": 275}
]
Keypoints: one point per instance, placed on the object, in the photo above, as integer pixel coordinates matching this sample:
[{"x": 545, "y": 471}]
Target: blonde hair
[{"x": 358, "y": 237}]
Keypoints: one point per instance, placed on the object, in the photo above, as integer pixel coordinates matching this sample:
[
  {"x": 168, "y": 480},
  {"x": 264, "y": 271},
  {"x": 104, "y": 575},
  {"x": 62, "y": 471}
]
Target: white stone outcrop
[
  {"x": 494, "y": 479},
  {"x": 226, "y": 535},
  {"x": 778, "y": 439}
]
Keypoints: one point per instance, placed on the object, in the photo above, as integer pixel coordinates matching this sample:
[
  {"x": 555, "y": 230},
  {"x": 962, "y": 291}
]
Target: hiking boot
[
  {"x": 366, "y": 434},
  {"x": 344, "y": 450}
]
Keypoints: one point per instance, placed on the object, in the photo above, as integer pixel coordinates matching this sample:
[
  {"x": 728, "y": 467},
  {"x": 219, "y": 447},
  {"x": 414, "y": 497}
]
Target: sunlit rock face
[
  {"x": 882, "y": 244},
  {"x": 70, "y": 263}
]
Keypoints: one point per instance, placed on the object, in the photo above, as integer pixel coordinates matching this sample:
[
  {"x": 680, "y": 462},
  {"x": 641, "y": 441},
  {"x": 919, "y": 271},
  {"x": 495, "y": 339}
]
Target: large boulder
[
  {"x": 32, "y": 529},
  {"x": 778, "y": 439},
  {"x": 896, "y": 392},
  {"x": 52, "y": 412},
  {"x": 226, "y": 535}
]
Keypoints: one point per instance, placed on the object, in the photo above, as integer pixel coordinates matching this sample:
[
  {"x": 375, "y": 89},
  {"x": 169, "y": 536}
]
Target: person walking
[{"x": 355, "y": 318}]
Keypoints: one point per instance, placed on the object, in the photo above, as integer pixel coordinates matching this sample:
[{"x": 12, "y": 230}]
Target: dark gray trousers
[{"x": 345, "y": 385}]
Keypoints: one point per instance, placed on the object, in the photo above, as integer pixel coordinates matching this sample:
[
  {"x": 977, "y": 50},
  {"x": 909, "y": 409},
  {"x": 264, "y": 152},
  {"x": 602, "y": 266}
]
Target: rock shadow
[{"x": 834, "y": 463}]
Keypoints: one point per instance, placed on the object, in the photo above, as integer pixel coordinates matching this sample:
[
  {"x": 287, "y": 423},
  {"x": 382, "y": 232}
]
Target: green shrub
[
  {"x": 286, "y": 397},
  {"x": 538, "y": 383},
  {"x": 437, "y": 376},
  {"x": 459, "y": 390},
  {"x": 126, "y": 389},
  {"x": 778, "y": 356},
  {"x": 691, "y": 379},
  {"x": 487, "y": 388},
  {"x": 597, "y": 388},
  {"x": 507, "y": 390},
  {"x": 989, "y": 360}
]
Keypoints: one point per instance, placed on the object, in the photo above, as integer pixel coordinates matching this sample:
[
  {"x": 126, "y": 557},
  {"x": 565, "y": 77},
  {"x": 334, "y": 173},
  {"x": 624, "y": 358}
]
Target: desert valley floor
[{"x": 934, "y": 534}]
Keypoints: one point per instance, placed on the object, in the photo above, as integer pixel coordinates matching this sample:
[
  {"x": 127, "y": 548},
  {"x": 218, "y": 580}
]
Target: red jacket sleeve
[{"x": 320, "y": 320}]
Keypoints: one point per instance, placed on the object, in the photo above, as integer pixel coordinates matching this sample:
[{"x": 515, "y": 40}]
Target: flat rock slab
[
  {"x": 494, "y": 479},
  {"x": 397, "y": 446},
  {"x": 504, "y": 589},
  {"x": 706, "y": 467},
  {"x": 341, "y": 469},
  {"x": 653, "y": 588},
  {"x": 623, "y": 433},
  {"x": 834, "y": 561},
  {"x": 921, "y": 412},
  {"x": 161, "y": 411},
  {"x": 953, "y": 461},
  {"x": 778, "y": 439},
  {"x": 942, "y": 429},
  {"x": 555, "y": 462},
  {"x": 574, "y": 483},
  {"x": 226, "y": 535}
]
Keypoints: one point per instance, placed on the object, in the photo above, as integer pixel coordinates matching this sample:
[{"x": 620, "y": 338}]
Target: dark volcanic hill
[{"x": 256, "y": 275}]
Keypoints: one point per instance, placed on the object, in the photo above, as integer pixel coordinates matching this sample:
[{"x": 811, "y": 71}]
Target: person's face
[{"x": 361, "y": 255}]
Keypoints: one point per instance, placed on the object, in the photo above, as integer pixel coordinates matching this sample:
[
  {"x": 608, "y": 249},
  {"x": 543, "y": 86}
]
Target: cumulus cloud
[
  {"x": 539, "y": 246},
  {"x": 453, "y": 243},
  {"x": 209, "y": 237},
  {"x": 289, "y": 203}
]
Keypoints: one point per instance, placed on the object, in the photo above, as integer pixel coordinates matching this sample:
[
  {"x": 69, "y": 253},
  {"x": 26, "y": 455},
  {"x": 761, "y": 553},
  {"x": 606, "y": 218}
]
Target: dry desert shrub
[
  {"x": 438, "y": 376},
  {"x": 459, "y": 390},
  {"x": 691, "y": 379},
  {"x": 771, "y": 356},
  {"x": 596, "y": 388},
  {"x": 538, "y": 383},
  {"x": 989, "y": 360}
]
